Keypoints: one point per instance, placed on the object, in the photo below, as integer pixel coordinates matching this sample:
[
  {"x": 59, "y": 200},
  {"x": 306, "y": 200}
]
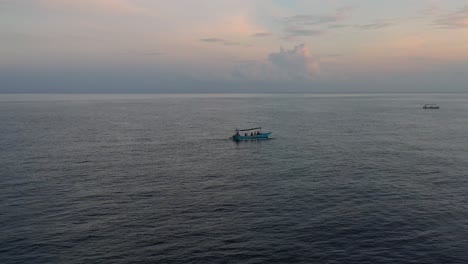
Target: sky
[{"x": 233, "y": 46}]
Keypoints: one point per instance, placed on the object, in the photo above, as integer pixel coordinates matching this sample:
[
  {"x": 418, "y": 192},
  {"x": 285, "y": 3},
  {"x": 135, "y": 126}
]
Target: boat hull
[
  {"x": 431, "y": 106},
  {"x": 262, "y": 136}
]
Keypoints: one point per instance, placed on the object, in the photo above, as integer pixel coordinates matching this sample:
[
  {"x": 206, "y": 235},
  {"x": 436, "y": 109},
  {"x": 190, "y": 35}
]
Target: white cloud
[{"x": 297, "y": 63}]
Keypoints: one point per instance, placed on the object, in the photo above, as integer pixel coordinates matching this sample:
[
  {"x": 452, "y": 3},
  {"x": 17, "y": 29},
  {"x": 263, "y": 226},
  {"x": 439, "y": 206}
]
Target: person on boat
[
  {"x": 251, "y": 134},
  {"x": 245, "y": 134}
]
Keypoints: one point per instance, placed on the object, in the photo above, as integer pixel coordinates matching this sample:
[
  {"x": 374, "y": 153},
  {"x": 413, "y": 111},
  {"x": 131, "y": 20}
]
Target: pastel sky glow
[{"x": 233, "y": 46}]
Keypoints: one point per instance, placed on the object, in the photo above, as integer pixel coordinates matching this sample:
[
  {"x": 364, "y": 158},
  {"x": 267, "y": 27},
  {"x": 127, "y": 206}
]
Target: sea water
[{"x": 363, "y": 178}]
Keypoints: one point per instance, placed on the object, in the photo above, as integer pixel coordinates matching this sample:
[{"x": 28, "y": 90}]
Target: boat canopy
[{"x": 255, "y": 128}]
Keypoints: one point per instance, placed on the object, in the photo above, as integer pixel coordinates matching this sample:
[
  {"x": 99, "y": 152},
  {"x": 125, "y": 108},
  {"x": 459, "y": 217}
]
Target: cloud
[
  {"x": 377, "y": 25},
  {"x": 231, "y": 43},
  {"x": 111, "y": 6},
  {"x": 293, "y": 32},
  {"x": 232, "y": 25},
  {"x": 457, "y": 19},
  {"x": 229, "y": 31},
  {"x": 299, "y": 25},
  {"x": 434, "y": 7},
  {"x": 221, "y": 41},
  {"x": 261, "y": 34},
  {"x": 152, "y": 53},
  {"x": 337, "y": 26},
  {"x": 297, "y": 63},
  {"x": 213, "y": 40},
  {"x": 308, "y": 20}
]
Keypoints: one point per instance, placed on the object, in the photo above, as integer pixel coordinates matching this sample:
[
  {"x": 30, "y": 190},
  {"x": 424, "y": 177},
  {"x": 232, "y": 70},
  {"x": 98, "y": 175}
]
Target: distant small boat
[
  {"x": 431, "y": 106},
  {"x": 250, "y": 134}
]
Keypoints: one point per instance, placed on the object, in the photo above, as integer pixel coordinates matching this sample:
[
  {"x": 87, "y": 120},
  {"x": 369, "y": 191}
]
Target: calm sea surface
[{"x": 155, "y": 179}]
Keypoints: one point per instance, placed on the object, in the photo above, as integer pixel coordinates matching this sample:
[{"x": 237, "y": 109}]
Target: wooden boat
[
  {"x": 431, "y": 106},
  {"x": 250, "y": 134}
]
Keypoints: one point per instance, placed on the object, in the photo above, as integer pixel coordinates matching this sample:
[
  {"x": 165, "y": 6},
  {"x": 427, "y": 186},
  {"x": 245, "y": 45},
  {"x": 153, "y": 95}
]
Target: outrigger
[{"x": 255, "y": 134}]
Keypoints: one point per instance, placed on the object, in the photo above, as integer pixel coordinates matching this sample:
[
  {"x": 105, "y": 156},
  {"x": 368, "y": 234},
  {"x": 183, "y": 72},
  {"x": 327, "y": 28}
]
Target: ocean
[{"x": 346, "y": 178}]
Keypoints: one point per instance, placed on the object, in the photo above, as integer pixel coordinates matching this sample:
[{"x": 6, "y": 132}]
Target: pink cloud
[{"x": 236, "y": 25}]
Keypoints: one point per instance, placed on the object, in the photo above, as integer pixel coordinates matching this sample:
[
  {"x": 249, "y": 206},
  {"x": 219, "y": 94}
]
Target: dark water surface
[{"x": 154, "y": 179}]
